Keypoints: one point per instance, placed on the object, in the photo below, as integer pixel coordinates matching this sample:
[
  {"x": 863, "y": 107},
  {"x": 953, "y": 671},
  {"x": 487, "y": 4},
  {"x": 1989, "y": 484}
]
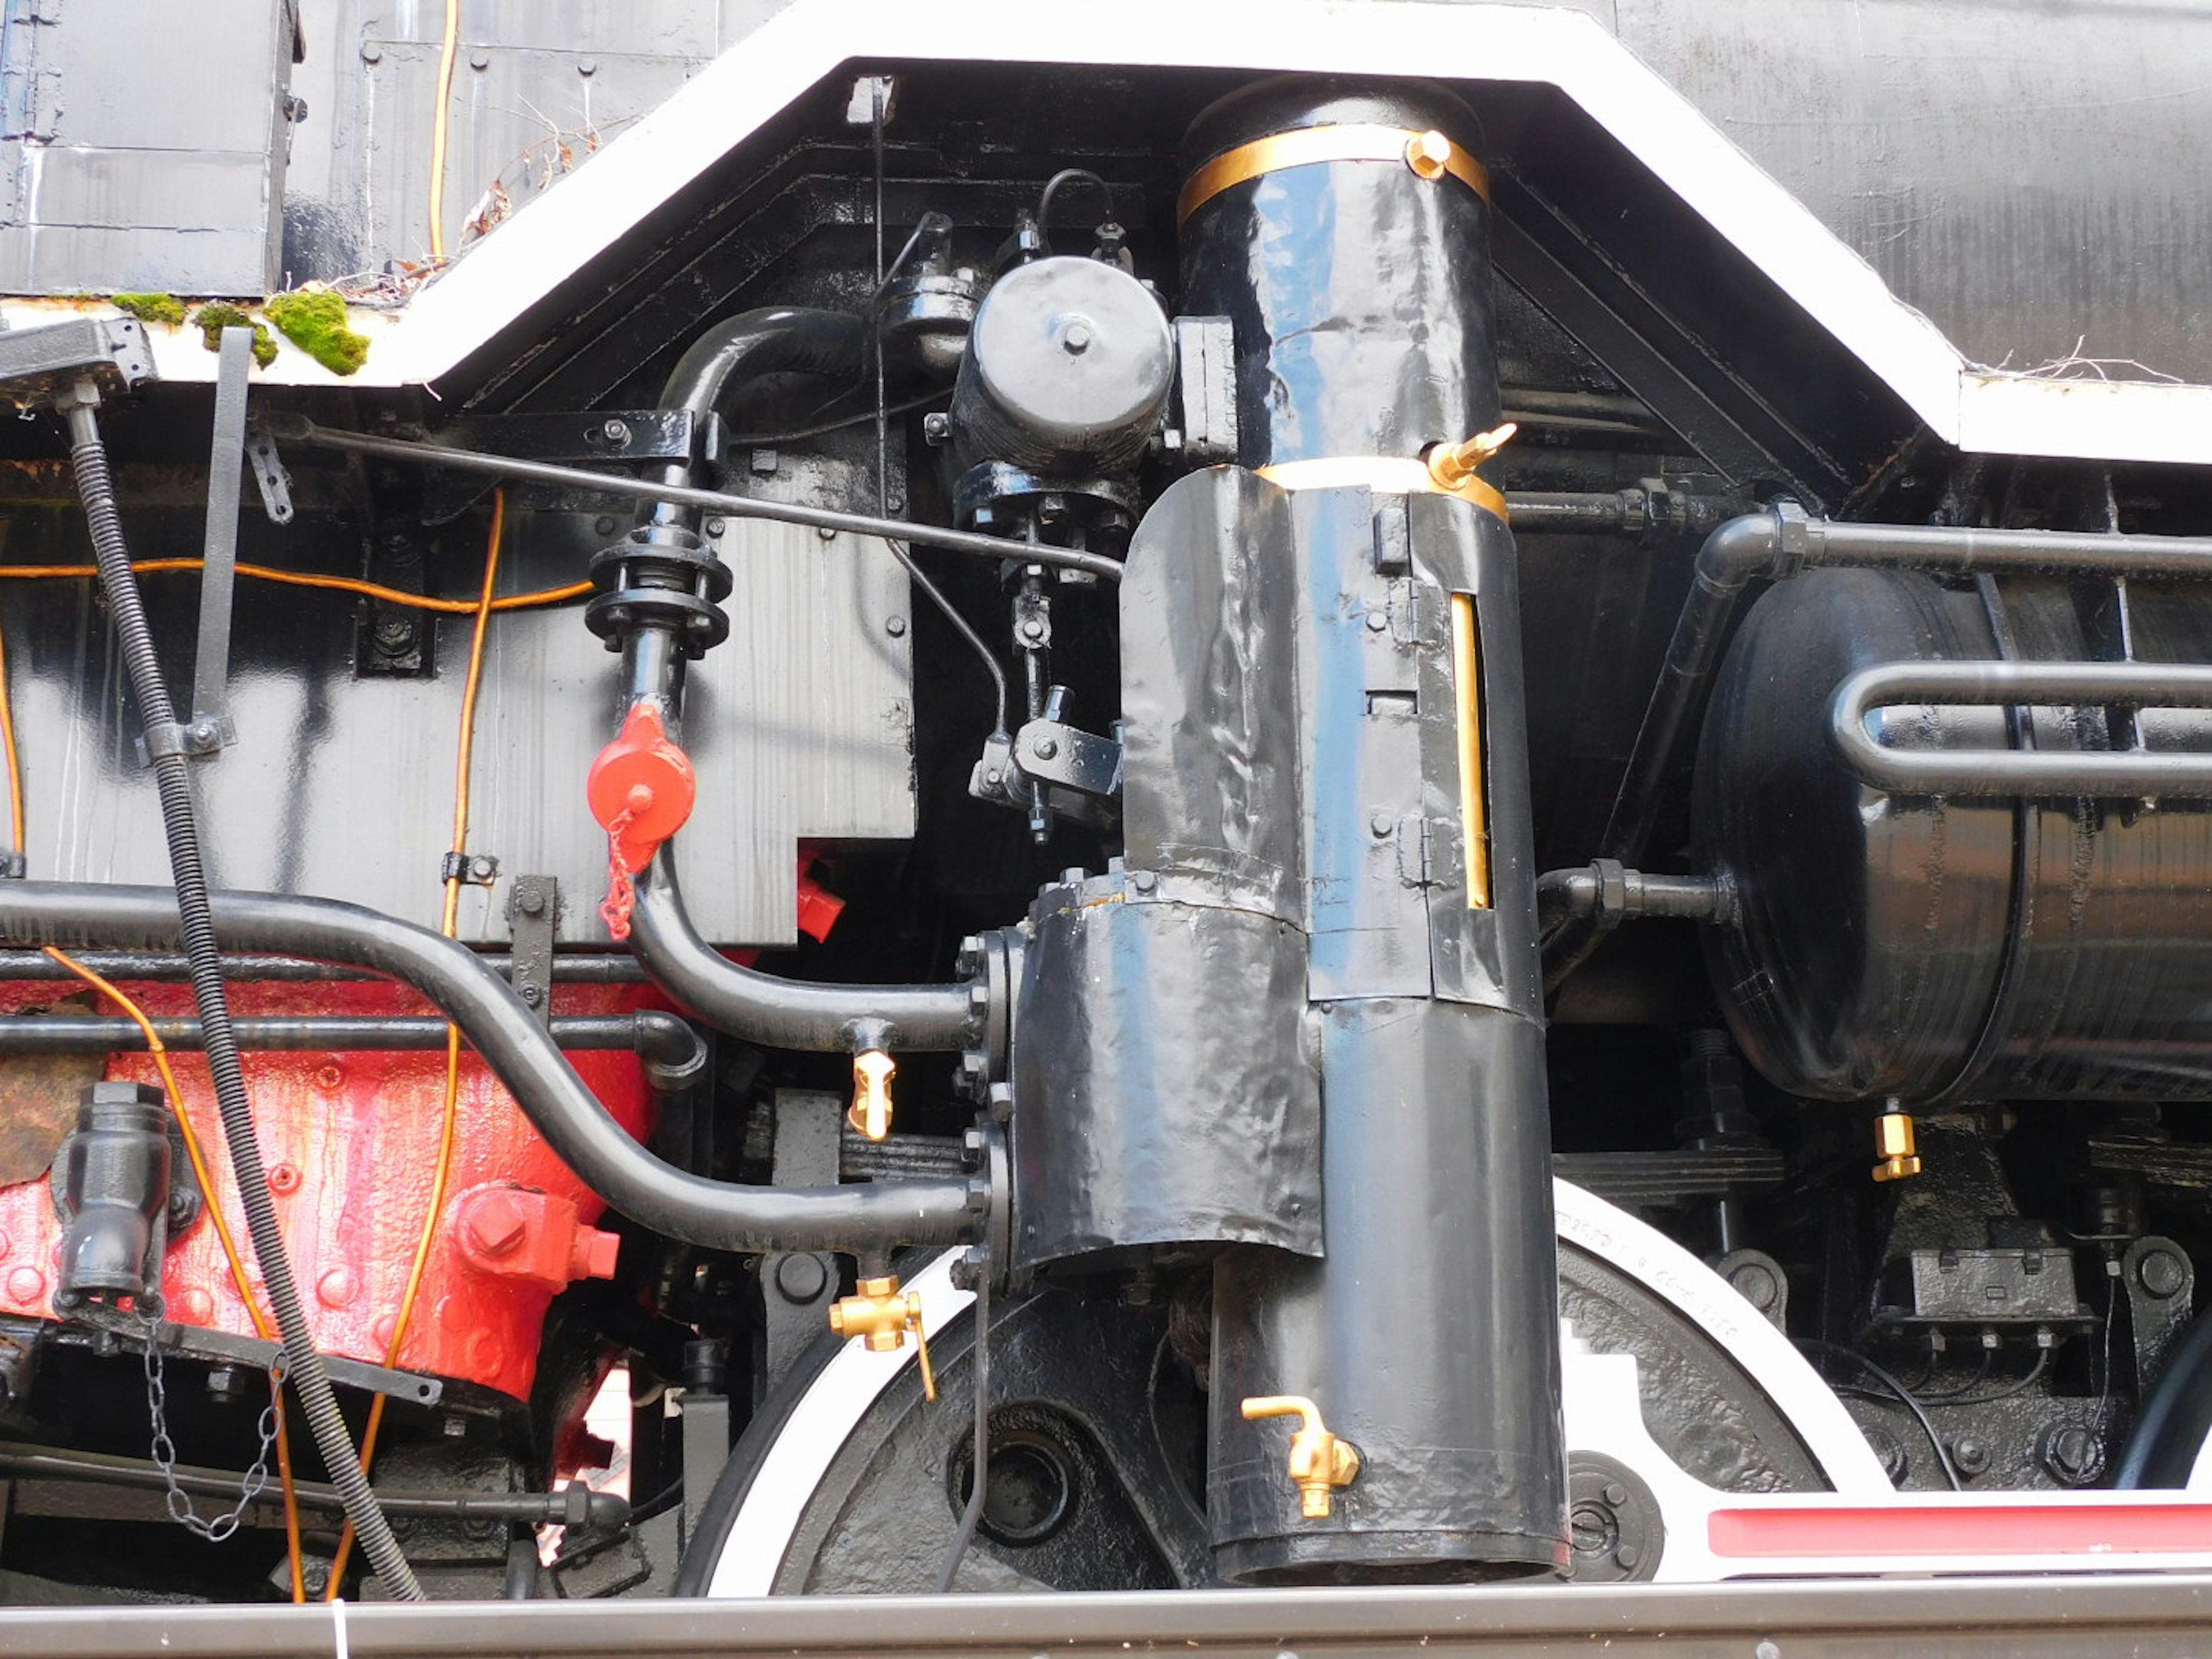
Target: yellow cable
[
  {"x": 337, "y": 584},
  {"x": 438, "y": 135},
  {"x": 450, "y": 1122},
  {"x": 199, "y": 1159}
]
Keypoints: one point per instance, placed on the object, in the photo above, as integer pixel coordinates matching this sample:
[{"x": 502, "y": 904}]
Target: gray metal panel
[
  {"x": 143, "y": 146},
  {"x": 800, "y": 725}
]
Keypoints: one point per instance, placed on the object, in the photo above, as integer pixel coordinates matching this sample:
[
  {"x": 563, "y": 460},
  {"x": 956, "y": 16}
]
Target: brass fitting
[
  {"x": 1320, "y": 1463},
  {"x": 881, "y": 1315},
  {"x": 1428, "y": 154},
  {"x": 1894, "y": 1145},
  {"x": 1451, "y": 466},
  {"x": 870, "y": 1114}
]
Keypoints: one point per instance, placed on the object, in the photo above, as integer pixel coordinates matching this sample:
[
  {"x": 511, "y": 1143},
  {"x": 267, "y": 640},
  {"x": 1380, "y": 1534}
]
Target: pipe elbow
[{"x": 1740, "y": 548}]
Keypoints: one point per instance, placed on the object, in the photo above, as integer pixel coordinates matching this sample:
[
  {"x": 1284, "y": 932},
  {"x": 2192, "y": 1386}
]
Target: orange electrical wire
[
  {"x": 337, "y": 584},
  {"x": 14, "y": 760},
  {"x": 449, "y": 1124},
  {"x": 193, "y": 1151}
]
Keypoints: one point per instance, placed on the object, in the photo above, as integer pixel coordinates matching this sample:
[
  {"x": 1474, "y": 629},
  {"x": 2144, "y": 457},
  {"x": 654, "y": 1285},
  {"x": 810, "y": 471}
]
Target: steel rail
[{"x": 2148, "y": 1616}]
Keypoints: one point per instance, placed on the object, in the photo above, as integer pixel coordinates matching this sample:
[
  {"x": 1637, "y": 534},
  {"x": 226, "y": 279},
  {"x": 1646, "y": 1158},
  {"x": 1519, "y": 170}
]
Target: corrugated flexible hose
[{"x": 310, "y": 1377}]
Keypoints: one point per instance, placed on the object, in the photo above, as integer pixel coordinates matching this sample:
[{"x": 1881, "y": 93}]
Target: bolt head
[
  {"x": 530, "y": 901},
  {"x": 2161, "y": 1272},
  {"x": 1075, "y": 334}
]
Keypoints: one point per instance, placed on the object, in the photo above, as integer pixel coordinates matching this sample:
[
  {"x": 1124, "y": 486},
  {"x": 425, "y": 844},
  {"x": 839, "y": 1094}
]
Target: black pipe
[
  {"x": 787, "y": 1014},
  {"x": 771, "y": 340},
  {"x": 661, "y": 1038},
  {"x": 187, "y": 906},
  {"x": 1776, "y": 543},
  {"x": 764, "y": 1008},
  {"x": 575, "y": 1505},
  {"x": 598, "y": 968},
  {"x": 718, "y": 1214},
  {"x": 302, "y": 430},
  {"x": 1606, "y": 890}
]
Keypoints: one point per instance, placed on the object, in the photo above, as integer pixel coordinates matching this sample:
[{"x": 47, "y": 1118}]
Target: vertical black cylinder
[{"x": 1345, "y": 231}]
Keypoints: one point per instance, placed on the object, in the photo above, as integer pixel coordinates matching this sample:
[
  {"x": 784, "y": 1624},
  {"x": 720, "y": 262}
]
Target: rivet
[
  {"x": 895, "y": 626},
  {"x": 27, "y": 1285},
  {"x": 479, "y": 60},
  {"x": 334, "y": 1288}
]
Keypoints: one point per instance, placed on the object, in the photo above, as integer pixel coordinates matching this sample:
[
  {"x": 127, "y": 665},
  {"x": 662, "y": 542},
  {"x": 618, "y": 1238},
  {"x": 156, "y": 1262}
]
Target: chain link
[{"x": 181, "y": 1509}]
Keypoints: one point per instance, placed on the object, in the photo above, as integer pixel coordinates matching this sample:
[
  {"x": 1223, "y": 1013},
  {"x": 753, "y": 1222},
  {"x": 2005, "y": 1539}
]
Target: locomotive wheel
[{"x": 848, "y": 1482}]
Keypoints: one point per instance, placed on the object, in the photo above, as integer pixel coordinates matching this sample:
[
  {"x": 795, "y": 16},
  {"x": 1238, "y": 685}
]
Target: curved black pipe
[
  {"x": 771, "y": 340},
  {"x": 500, "y": 1026},
  {"x": 786, "y": 1013}
]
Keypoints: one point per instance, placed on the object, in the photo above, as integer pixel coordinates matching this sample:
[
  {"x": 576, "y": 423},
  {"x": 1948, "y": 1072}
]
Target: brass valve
[
  {"x": 1893, "y": 1144},
  {"x": 1320, "y": 1463},
  {"x": 870, "y": 1114},
  {"x": 880, "y": 1315},
  {"x": 1451, "y": 466}
]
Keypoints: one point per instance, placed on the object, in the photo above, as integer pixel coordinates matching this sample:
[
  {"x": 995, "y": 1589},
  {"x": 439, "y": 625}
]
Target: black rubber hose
[
  {"x": 2176, "y": 1417},
  {"x": 310, "y": 1378},
  {"x": 500, "y": 1025}
]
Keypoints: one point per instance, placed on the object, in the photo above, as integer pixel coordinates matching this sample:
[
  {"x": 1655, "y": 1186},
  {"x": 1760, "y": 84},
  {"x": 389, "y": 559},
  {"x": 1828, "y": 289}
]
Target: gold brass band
[
  {"x": 1303, "y": 146},
  {"x": 1391, "y": 475}
]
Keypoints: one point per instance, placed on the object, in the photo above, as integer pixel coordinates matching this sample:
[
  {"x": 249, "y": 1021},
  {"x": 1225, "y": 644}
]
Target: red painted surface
[
  {"x": 350, "y": 1142},
  {"x": 1961, "y": 1530}
]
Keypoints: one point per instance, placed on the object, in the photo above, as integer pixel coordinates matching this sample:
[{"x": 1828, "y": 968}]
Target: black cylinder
[
  {"x": 1359, "y": 287},
  {"x": 114, "y": 1179},
  {"x": 1358, "y": 291},
  {"x": 1968, "y": 948}
]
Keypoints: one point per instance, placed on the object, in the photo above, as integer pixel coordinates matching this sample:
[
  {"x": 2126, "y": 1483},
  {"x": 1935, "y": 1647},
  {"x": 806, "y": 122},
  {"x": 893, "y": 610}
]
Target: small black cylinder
[{"x": 114, "y": 1177}]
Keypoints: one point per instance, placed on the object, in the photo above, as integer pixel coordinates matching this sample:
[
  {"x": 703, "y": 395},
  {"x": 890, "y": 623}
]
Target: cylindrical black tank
[
  {"x": 1342, "y": 230},
  {"x": 1960, "y": 950}
]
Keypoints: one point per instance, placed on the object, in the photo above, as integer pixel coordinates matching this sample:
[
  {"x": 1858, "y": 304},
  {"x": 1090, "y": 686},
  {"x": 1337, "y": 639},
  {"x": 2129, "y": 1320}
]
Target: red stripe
[{"x": 2047, "y": 1529}]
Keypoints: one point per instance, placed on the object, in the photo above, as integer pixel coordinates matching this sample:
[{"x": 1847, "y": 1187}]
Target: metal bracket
[
  {"x": 533, "y": 917},
  {"x": 477, "y": 869},
  {"x": 1052, "y": 752},
  {"x": 107, "y": 1328},
  {"x": 41, "y": 366},
  {"x": 219, "y": 545},
  {"x": 269, "y": 474}
]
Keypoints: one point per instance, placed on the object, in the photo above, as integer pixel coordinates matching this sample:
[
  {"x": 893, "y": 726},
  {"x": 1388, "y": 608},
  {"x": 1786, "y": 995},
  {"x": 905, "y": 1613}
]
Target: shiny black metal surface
[
  {"x": 1428, "y": 1333},
  {"x": 1165, "y": 1095},
  {"x": 1958, "y": 946},
  {"x": 1348, "y": 283}
]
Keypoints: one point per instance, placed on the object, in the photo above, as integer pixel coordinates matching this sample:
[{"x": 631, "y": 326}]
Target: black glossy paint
[
  {"x": 1968, "y": 950},
  {"x": 1428, "y": 1333},
  {"x": 1347, "y": 284}
]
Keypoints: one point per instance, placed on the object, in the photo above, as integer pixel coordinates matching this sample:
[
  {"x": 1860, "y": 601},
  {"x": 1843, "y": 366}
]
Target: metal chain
[{"x": 181, "y": 1509}]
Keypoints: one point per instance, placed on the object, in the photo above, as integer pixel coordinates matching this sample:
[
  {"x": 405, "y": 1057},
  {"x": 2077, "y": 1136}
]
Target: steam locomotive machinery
[{"x": 1016, "y": 721}]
